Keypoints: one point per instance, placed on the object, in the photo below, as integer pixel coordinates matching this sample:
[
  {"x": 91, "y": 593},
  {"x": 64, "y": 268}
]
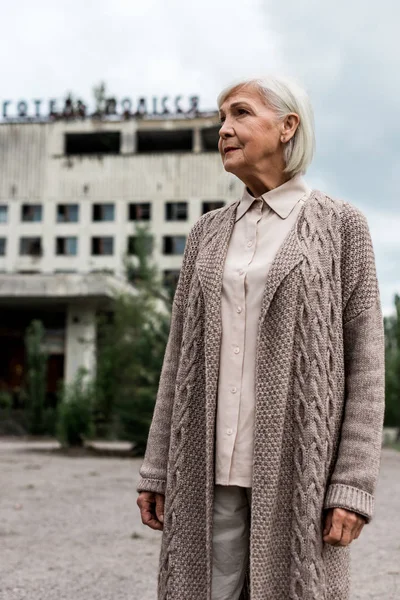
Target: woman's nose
[{"x": 225, "y": 129}]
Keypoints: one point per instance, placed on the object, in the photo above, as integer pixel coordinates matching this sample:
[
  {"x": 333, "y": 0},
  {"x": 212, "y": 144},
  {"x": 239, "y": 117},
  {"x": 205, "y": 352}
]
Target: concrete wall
[{"x": 34, "y": 169}]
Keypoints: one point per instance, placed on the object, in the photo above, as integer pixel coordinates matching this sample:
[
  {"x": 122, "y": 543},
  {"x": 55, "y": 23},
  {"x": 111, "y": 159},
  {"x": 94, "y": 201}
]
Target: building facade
[{"x": 72, "y": 193}]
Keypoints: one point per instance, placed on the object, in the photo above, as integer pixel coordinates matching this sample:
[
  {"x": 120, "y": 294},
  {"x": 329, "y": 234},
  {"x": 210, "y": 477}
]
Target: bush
[
  {"x": 6, "y": 401},
  {"x": 75, "y": 411}
]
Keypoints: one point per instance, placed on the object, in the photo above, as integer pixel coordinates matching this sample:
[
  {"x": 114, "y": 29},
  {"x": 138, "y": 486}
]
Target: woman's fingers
[
  {"x": 160, "y": 507},
  {"x": 147, "y": 504}
]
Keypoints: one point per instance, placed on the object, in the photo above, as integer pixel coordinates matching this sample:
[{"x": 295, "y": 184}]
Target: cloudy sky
[{"x": 346, "y": 53}]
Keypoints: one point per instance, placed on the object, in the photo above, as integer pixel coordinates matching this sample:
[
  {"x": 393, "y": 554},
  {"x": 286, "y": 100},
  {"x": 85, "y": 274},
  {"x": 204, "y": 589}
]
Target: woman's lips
[{"x": 231, "y": 150}]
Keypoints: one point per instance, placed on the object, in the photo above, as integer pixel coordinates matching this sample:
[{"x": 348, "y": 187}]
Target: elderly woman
[{"x": 266, "y": 436}]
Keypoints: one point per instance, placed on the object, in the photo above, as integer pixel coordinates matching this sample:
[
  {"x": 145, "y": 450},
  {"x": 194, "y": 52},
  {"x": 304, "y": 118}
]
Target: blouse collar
[{"x": 282, "y": 199}]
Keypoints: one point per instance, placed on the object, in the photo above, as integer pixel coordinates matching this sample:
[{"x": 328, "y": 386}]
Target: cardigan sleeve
[
  {"x": 354, "y": 478},
  {"x": 153, "y": 472}
]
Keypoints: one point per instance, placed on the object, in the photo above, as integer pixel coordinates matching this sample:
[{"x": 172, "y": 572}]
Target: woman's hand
[
  {"x": 342, "y": 526},
  {"x": 151, "y": 509}
]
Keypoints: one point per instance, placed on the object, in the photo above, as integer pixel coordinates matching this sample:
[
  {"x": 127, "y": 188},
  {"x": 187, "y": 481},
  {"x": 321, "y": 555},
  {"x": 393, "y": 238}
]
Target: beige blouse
[{"x": 260, "y": 228}]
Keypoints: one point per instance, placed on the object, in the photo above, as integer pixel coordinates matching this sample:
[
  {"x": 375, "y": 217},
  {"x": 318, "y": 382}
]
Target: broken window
[
  {"x": 102, "y": 142},
  {"x": 31, "y": 213},
  {"x": 176, "y": 211},
  {"x": 174, "y": 244},
  {"x": 102, "y": 246},
  {"x": 67, "y": 246},
  {"x": 139, "y": 212},
  {"x": 3, "y": 213},
  {"x": 165, "y": 140},
  {"x": 211, "y": 205},
  {"x": 67, "y": 213},
  {"x": 103, "y": 212},
  {"x": 30, "y": 246},
  {"x": 209, "y": 138}
]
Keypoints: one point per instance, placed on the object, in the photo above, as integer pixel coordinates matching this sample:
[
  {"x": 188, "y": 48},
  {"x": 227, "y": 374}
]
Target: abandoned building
[{"x": 72, "y": 192}]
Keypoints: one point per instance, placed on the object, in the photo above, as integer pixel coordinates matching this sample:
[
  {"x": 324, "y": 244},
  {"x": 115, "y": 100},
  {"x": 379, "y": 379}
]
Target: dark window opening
[
  {"x": 67, "y": 246},
  {"x": 102, "y": 246},
  {"x": 3, "y": 246},
  {"x": 174, "y": 244},
  {"x": 178, "y": 140},
  {"x": 209, "y": 138},
  {"x": 30, "y": 246},
  {"x": 132, "y": 247},
  {"x": 139, "y": 212},
  {"x": 31, "y": 213},
  {"x": 67, "y": 213},
  {"x": 176, "y": 211},
  {"x": 212, "y": 205},
  {"x": 103, "y": 212},
  {"x": 103, "y": 142},
  {"x": 3, "y": 213}
]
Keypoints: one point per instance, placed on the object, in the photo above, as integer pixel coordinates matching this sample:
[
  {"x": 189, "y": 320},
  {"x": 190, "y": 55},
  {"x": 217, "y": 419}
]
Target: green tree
[
  {"x": 131, "y": 349},
  {"x": 36, "y": 358}
]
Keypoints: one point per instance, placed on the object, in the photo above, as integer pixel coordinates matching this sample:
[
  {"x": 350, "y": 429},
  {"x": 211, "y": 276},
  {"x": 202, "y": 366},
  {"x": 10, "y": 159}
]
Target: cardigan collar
[{"x": 282, "y": 199}]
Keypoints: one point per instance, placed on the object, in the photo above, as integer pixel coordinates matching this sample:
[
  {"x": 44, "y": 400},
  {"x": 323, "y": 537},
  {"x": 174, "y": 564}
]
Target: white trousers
[{"x": 231, "y": 531}]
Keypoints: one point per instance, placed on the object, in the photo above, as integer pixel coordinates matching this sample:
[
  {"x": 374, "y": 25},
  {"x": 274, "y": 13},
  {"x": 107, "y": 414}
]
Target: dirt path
[{"x": 70, "y": 529}]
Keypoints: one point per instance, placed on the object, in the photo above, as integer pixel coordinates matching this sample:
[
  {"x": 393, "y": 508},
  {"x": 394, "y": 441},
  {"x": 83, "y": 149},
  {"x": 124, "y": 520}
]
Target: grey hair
[{"x": 284, "y": 95}]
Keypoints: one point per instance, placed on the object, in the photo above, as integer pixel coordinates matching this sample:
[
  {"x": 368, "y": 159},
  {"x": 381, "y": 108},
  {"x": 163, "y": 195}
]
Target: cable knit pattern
[{"x": 319, "y": 406}]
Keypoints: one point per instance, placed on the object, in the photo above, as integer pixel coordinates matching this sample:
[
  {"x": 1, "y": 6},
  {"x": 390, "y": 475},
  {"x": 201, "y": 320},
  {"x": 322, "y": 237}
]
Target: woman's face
[{"x": 248, "y": 125}]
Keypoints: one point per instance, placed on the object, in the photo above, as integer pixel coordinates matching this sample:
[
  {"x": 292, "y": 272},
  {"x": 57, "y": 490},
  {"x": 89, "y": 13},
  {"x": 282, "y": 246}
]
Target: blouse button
[
  {"x": 234, "y": 390},
  {"x": 249, "y": 244},
  {"x": 237, "y": 350},
  {"x": 229, "y": 431},
  {"x": 239, "y": 309}
]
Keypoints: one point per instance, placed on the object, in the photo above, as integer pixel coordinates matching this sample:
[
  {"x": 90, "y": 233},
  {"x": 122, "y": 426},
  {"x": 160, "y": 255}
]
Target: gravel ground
[{"x": 70, "y": 530}]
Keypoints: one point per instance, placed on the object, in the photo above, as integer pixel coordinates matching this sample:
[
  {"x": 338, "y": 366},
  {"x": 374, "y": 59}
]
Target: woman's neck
[{"x": 261, "y": 185}]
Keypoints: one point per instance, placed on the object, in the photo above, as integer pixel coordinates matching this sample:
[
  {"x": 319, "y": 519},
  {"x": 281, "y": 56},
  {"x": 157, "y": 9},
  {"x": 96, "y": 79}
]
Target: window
[
  {"x": 30, "y": 246},
  {"x": 67, "y": 246},
  {"x": 132, "y": 245},
  {"x": 3, "y": 246},
  {"x": 209, "y": 138},
  {"x": 67, "y": 213},
  {"x": 103, "y": 212},
  {"x": 174, "y": 244},
  {"x": 176, "y": 211},
  {"x": 102, "y": 246},
  {"x": 3, "y": 213},
  {"x": 212, "y": 205},
  {"x": 139, "y": 212},
  {"x": 31, "y": 213},
  {"x": 102, "y": 142},
  {"x": 165, "y": 140}
]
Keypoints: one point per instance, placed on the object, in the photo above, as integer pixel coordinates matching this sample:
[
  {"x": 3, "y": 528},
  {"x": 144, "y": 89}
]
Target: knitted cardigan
[{"x": 319, "y": 406}]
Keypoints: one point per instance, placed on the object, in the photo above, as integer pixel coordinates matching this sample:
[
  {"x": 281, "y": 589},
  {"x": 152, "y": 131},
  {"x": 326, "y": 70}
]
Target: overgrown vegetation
[
  {"x": 118, "y": 402},
  {"x": 75, "y": 411}
]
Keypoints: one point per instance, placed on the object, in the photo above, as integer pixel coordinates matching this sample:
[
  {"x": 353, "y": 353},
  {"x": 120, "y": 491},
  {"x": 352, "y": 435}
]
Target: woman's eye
[{"x": 242, "y": 110}]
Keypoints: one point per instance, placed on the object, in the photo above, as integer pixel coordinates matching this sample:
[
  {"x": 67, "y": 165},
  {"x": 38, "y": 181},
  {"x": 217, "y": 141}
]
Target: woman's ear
[{"x": 289, "y": 125}]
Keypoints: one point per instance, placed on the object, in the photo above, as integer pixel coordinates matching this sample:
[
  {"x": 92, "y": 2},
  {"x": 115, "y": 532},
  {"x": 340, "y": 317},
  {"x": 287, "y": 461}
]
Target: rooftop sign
[{"x": 111, "y": 108}]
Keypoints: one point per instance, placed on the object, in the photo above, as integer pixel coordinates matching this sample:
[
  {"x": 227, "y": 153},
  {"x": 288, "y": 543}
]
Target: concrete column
[
  {"x": 197, "y": 144},
  {"x": 80, "y": 340}
]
